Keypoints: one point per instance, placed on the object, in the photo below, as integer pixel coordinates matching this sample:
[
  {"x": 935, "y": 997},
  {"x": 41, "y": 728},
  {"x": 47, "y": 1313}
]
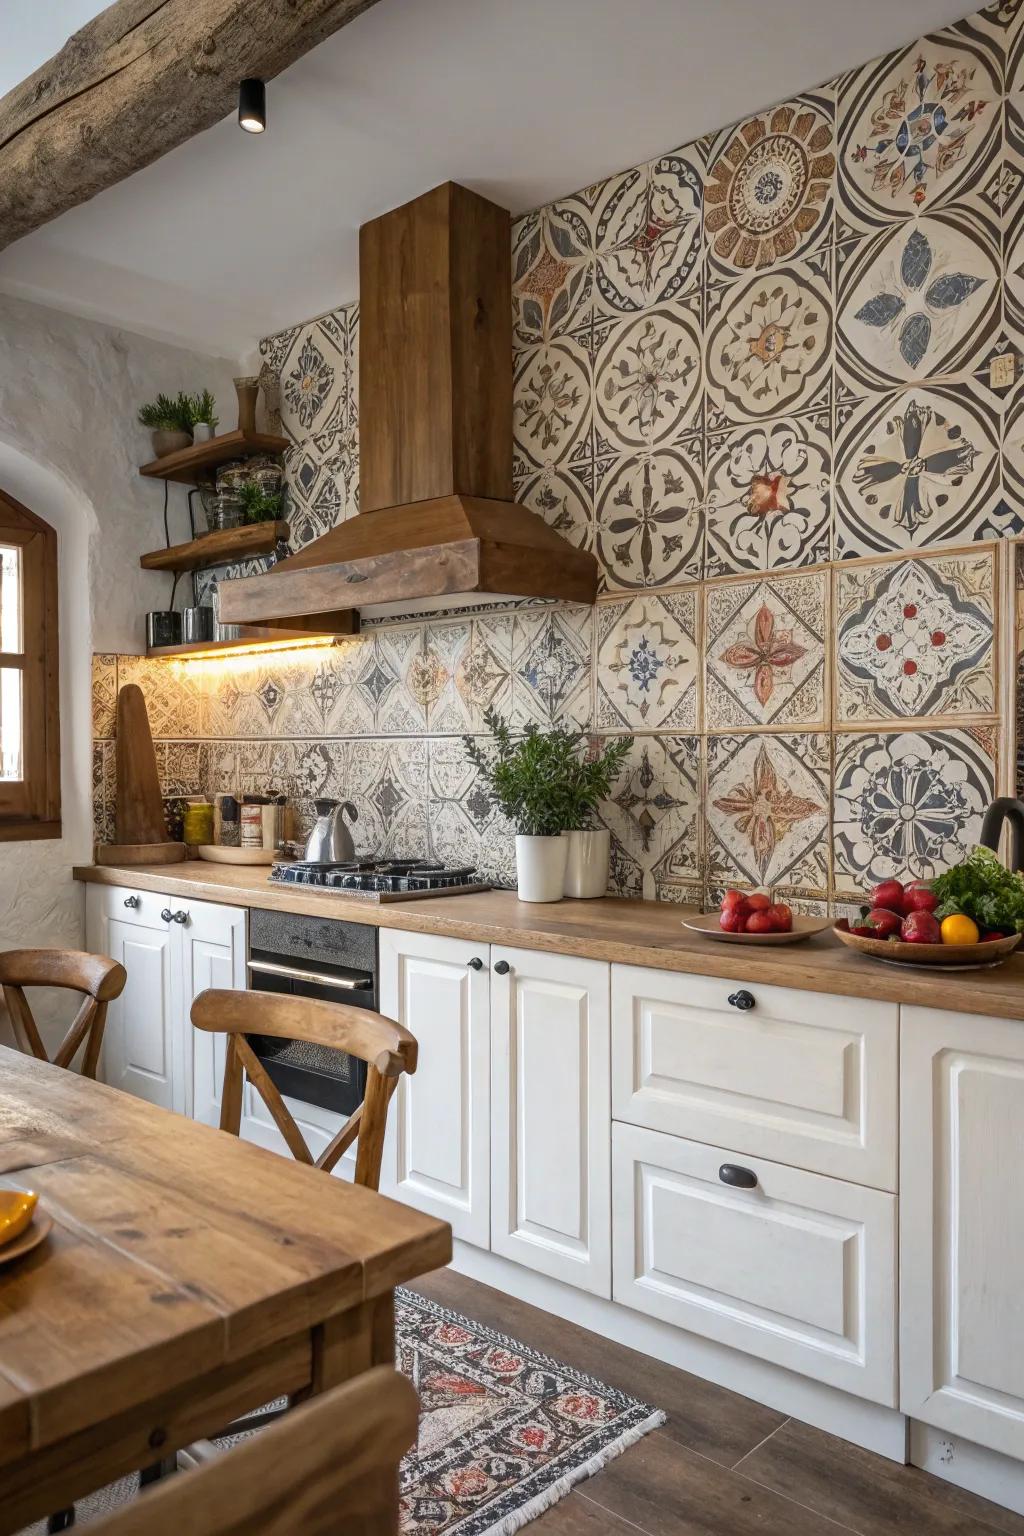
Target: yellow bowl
[{"x": 17, "y": 1207}]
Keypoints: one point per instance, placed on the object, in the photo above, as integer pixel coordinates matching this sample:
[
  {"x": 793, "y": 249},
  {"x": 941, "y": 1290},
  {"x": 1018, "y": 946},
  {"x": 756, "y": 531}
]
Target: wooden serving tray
[{"x": 959, "y": 957}]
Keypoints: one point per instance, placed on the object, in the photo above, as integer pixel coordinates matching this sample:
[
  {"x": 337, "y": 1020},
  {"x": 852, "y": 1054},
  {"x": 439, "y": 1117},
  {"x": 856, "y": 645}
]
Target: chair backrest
[
  {"x": 97, "y": 977},
  {"x": 387, "y": 1048},
  {"x": 326, "y": 1468}
]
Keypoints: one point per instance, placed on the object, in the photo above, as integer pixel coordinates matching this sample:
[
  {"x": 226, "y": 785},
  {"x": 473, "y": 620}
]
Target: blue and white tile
[
  {"x": 647, "y": 666},
  {"x": 551, "y": 665},
  {"x": 465, "y": 827}
]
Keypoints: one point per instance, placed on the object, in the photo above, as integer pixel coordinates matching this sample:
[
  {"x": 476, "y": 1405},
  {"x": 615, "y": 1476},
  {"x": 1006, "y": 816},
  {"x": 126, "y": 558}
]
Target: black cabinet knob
[
  {"x": 131, "y": 901},
  {"x": 167, "y": 915},
  {"x": 181, "y": 916},
  {"x": 476, "y": 964},
  {"x": 743, "y": 1000},
  {"x": 739, "y": 1178},
  {"x": 502, "y": 967}
]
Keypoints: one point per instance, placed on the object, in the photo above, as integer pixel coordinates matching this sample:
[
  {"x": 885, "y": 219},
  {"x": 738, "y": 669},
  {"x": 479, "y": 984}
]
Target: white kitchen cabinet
[
  {"x": 962, "y": 1226},
  {"x": 438, "y": 1151},
  {"x": 797, "y": 1269},
  {"x": 150, "y": 1047},
  {"x": 798, "y": 1077},
  {"x": 551, "y": 1115}
]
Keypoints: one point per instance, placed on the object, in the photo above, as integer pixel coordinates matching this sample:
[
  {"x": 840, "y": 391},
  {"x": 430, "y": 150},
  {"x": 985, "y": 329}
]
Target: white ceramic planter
[
  {"x": 540, "y": 867},
  {"x": 586, "y": 869},
  {"x": 202, "y": 432}
]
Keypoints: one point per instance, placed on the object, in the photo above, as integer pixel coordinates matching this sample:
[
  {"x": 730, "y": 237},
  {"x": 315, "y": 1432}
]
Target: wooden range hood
[{"x": 438, "y": 524}]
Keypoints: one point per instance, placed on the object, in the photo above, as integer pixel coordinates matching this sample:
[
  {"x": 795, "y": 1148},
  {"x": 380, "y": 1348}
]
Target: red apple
[
  {"x": 761, "y": 922},
  {"x": 920, "y": 928},
  {"x": 733, "y": 899},
  {"x": 782, "y": 917},
  {"x": 882, "y": 922},
  {"x": 732, "y": 919},
  {"x": 758, "y": 902},
  {"x": 919, "y": 897},
  {"x": 888, "y": 894}
]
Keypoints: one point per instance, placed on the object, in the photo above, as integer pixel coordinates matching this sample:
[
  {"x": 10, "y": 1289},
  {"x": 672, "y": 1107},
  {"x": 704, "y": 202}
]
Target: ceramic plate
[
  {"x": 960, "y": 957},
  {"x": 215, "y": 853},
  {"x": 38, "y": 1228},
  {"x": 803, "y": 928}
]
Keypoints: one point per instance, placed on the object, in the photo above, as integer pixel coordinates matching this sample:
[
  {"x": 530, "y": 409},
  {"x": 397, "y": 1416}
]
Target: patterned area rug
[{"x": 504, "y": 1432}]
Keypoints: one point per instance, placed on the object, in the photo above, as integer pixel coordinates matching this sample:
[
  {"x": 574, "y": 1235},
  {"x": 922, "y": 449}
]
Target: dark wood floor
[{"x": 722, "y": 1465}]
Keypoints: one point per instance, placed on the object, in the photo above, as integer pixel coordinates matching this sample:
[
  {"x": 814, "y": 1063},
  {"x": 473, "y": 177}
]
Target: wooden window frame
[{"x": 30, "y": 806}]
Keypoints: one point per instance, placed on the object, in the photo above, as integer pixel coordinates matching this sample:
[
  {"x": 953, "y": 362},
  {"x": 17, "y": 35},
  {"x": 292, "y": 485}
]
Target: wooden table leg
[{"x": 353, "y": 1342}]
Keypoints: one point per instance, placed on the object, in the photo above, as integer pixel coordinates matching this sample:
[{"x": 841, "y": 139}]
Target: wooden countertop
[{"x": 626, "y": 932}]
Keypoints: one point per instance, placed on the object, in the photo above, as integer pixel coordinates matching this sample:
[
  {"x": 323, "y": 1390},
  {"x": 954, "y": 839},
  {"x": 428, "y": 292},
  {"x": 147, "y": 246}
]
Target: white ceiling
[{"x": 232, "y": 236}]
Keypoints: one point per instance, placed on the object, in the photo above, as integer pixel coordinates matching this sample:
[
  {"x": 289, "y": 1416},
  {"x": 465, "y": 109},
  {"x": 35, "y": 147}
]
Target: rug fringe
[{"x": 557, "y": 1491}]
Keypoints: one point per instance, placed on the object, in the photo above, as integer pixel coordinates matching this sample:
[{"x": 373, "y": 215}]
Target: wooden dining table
[{"x": 189, "y": 1277}]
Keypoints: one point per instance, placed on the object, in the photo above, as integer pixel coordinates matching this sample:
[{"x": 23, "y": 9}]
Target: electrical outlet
[{"x": 1002, "y": 370}]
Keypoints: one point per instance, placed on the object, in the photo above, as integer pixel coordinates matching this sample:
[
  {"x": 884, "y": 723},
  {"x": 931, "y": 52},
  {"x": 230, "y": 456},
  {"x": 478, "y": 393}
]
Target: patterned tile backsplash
[{"x": 753, "y": 376}]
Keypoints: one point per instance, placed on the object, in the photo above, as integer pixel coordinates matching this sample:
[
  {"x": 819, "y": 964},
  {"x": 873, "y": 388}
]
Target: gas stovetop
[{"x": 381, "y": 879}]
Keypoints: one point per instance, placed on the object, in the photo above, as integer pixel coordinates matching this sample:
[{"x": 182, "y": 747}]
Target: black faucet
[{"x": 1005, "y": 809}]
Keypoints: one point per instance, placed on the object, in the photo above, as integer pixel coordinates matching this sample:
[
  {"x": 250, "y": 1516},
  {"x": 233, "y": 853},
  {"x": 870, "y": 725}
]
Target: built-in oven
[{"x": 314, "y": 957}]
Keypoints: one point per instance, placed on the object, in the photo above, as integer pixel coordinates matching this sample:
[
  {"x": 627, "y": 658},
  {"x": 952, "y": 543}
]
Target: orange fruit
[{"x": 958, "y": 929}]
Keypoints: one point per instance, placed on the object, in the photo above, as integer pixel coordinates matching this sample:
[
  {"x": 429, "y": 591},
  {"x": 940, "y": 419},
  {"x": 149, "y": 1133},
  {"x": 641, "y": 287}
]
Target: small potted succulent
[
  {"x": 204, "y": 417},
  {"x": 170, "y": 420},
  {"x": 541, "y": 782}
]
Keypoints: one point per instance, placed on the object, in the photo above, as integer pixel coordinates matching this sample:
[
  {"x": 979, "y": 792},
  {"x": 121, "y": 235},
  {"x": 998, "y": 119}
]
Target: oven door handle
[{"x": 316, "y": 978}]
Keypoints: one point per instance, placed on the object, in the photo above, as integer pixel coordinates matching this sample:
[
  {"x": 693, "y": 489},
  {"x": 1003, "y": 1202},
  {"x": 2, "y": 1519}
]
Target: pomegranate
[
  {"x": 732, "y": 919},
  {"x": 920, "y": 928},
  {"x": 781, "y": 916},
  {"x": 758, "y": 902},
  {"x": 888, "y": 894},
  {"x": 761, "y": 921},
  {"x": 883, "y": 922},
  {"x": 919, "y": 897},
  {"x": 733, "y": 899}
]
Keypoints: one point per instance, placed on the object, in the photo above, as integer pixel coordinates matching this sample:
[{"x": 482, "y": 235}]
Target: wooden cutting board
[{"x": 138, "y": 807}]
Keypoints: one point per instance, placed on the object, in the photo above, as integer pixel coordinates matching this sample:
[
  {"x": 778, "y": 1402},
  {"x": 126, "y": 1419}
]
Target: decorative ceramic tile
[
  {"x": 647, "y": 667},
  {"x": 919, "y": 468},
  {"x": 387, "y": 782},
  {"x": 183, "y": 767},
  {"x": 908, "y": 805},
  {"x": 1014, "y": 262},
  {"x": 427, "y": 660},
  {"x": 769, "y": 496},
  {"x": 767, "y": 810},
  {"x": 648, "y": 233},
  {"x": 104, "y": 778},
  {"x": 551, "y": 664},
  {"x": 654, "y": 817},
  {"x": 769, "y": 343},
  {"x": 1013, "y": 446},
  {"x": 648, "y": 382},
  {"x": 915, "y": 638},
  {"x": 551, "y": 406},
  {"x": 552, "y": 271},
  {"x": 314, "y": 378},
  {"x": 764, "y": 652},
  {"x": 770, "y": 186},
  {"x": 104, "y": 696},
  {"x": 648, "y": 518},
  {"x": 485, "y": 673},
  {"x": 564, "y": 498},
  {"x": 171, "y": 692},
  {"x": 918, "y": 300},
  {"x": 918, "y": 128},
  {"x": 464, "y": 826}
]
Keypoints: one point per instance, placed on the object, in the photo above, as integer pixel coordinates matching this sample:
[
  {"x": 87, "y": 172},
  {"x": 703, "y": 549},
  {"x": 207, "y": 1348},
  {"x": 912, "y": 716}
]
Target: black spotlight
[{"x": 252, "y": 106}]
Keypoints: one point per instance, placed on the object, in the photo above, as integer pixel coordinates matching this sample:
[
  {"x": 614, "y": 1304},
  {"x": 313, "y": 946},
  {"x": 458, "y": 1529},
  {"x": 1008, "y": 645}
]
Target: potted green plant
[
  {"x": 590, "y": 846},
  {"x": 170, "y": 420},
  {"x": 257, "y": 505},
  {"x": 204, "y": 417},
  {"x": 540, "y": 781}
]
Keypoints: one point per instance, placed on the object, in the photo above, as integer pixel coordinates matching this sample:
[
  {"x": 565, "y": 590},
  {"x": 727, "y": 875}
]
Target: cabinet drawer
[
  {"x": 800, "y": 1077},
  {"x": 799, "y": 1270}
]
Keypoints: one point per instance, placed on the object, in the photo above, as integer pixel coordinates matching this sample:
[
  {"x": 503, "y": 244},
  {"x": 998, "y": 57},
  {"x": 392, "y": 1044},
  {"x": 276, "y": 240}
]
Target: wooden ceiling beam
[{"x": 140, "y": 78}]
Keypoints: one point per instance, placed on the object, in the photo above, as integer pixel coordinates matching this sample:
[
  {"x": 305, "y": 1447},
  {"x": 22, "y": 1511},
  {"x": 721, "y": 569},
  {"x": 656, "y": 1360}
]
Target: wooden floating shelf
[
  {"x": 197, "y": 464},
  {"x": 255, "y": 636},
  {"x": 217, "y": 548}
]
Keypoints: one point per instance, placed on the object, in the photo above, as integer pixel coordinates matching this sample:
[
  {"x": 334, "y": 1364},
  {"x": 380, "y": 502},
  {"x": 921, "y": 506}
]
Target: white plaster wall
[{"x": 70, "y": 449}]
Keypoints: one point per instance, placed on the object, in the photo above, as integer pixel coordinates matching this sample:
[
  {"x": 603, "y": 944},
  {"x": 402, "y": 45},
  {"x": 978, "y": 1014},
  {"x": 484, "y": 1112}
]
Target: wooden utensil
[{"x": 138, "y": 808}]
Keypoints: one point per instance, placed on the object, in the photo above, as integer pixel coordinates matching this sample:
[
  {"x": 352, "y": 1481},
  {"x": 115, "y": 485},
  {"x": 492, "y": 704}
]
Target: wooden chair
[
  {"x": 100, "y": 979},
  {"x": 387, "y": 1048},
  {"x": 329, "y": 1469}
]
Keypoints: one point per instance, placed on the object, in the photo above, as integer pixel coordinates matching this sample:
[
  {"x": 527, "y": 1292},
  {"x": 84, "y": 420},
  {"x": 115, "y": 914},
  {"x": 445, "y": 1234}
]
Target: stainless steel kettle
[{"x": 330, "y": 841}]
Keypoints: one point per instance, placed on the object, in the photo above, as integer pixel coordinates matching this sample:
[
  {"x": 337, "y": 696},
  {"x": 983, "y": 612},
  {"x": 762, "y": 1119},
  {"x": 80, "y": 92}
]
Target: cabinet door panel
[
  {"x": 438, "y": 1152},
  {"x": 800, "y": 1270},
  {"x": 141, "y": 1051},
  {"x": 962, "y": 1226},
  {"x": 213, "y": 945},
  {"x": 550, "y": 1175},
  {"x": 800, "y": 1077}
]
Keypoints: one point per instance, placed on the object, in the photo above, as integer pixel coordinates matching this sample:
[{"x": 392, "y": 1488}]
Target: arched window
[{"x": 29, "y": 686}]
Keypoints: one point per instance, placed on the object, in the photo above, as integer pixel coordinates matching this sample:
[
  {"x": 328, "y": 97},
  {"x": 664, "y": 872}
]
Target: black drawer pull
[
  {"x": 131, "y": 901},
  {"x": 476, "y": 964},
  {"x": 737, "y": 1177},
  {"x": 743, "y": 1000},
  {"x": 502, "y": 967}
]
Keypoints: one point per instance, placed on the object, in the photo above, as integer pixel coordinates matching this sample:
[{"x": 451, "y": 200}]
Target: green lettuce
[{"x": 984, "y": 889}]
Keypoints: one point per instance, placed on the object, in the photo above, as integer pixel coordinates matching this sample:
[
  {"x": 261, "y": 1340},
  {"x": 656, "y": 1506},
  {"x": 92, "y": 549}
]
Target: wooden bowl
[
  {"x": 960, "y": 957},
  {"x": 803, "y": 928}
]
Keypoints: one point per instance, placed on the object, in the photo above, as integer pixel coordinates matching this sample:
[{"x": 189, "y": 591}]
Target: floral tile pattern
[
  {"x": 752, "y": 376},
  {"x": 647, "y": 663},
  {"x": 768, "y": 811},
  {"x": 915, "y": 638},
  {"x": 764, "y": 653},
  {"x": 908, "y": 804}
]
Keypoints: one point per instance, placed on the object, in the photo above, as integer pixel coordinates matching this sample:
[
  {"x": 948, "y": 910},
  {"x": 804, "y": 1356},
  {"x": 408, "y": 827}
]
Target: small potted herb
[
  {"x": 540, "y": 783},
  {"x": 257, "y": 505},
  {"x": 590, "y": 847},
  {"x": 204, "y": 417},
  {"x": 170, "y": 420}
]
